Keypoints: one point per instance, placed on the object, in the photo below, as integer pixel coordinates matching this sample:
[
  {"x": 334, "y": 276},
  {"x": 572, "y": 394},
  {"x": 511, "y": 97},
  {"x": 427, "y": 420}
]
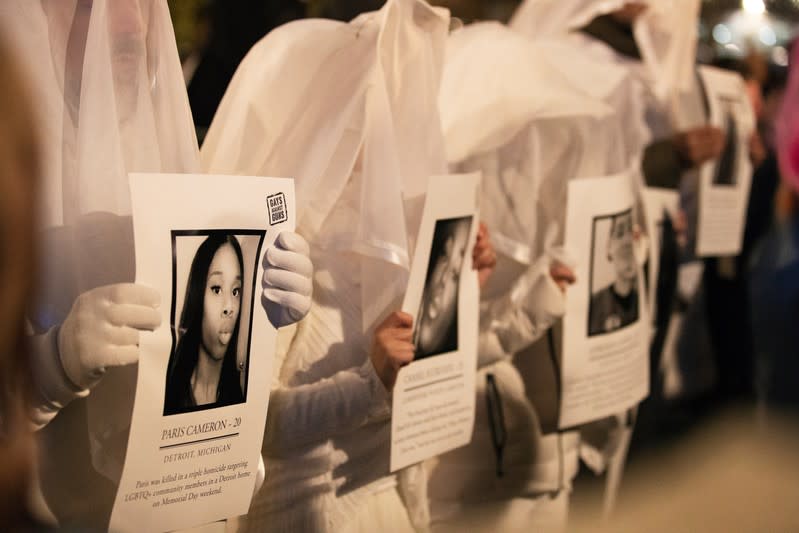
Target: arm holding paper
[
  {"x": 524, "y": 313},
  {"x": 102, "y": 328}
]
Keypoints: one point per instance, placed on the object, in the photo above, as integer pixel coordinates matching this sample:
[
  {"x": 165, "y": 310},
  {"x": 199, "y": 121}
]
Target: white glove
[
  {"x": 287, "y": 282},
  {"x": 531, "y": 307},
  {"x": 102, "y": 330}
]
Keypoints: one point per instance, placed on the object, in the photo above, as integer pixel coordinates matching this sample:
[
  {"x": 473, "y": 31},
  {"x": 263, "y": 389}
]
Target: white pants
[
  {"x": 542, "y": 514},
  {"x": 383, "y": 512}
]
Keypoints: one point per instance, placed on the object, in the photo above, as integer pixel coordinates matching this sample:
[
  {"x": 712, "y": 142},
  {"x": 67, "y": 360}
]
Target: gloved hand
[
  {"x": 287, "y": 282},
  {"x": 534, "y": 303},
  {"x": 102, "y": 330}
]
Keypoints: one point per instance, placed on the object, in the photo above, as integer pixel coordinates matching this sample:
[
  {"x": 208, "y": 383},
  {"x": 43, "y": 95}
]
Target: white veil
[
  {"x": 666, "y": 34},
  {"x": 107, "y": 81},
  {"x": 534, "y": 128},
  {"x": 508, "y": 112},
  {"x": 325, "y": 102}
]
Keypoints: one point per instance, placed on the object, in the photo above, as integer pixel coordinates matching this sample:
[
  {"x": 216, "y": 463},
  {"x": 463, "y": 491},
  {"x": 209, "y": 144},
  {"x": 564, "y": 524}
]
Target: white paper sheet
[
  {"x": 433, "y": 400},
  {"x": 724, "y": 184},
  {"x": 605, "y": 363},
  {"x": 190, "y": 464}
]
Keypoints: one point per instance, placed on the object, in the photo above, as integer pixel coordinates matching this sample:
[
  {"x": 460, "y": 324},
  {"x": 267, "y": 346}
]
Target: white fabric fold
[
  {"x": 324, "y": 102},
  {"x": 481, "y": 60},
  {"x": 666, "y": 34}
]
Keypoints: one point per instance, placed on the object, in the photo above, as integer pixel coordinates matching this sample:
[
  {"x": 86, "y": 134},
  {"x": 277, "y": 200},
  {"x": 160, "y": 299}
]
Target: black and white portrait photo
[
  {"x": 436, "y": 327},
  {"x": 213, "y": 275},
  {"x": 726, "y": 172},
  {"x": 614, "y": 275}
]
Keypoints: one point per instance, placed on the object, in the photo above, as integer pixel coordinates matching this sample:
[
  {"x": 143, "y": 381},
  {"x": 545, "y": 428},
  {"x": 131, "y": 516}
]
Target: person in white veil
[
  {"x": 654, "y": 43},
  {"x": 109, "y": 88},
  {"x": 657, "y": 40},
  {"x": 529, "y": 132},
  {"x": 350, "y": 110}
]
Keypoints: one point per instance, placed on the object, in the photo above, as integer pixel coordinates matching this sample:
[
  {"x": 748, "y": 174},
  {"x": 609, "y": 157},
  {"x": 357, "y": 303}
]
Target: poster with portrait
[
  {"x": 724, "y": 183},
  {"x": 605, "y": 360},
  {"x": 198, "y": 423},
  {"x": 433, "y": 399}
]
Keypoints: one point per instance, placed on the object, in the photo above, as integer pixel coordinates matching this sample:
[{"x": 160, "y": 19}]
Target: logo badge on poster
[{"x": 277, "y": 208}]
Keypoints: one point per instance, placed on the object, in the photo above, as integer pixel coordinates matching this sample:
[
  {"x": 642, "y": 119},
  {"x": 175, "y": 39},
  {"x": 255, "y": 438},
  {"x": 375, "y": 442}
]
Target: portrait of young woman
[{"x": 205, "y": 366}]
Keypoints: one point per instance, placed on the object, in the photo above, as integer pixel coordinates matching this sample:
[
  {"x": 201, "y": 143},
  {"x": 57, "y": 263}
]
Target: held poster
[
  {"x": 605, "y": 363},
  {"x": 198, "y": 419},
  {"x": 433, "y": 401},
  {"x": 725, "y": 182}
]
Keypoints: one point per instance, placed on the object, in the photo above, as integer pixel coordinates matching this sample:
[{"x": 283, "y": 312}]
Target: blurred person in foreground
[{"x": 19, "y": 177}]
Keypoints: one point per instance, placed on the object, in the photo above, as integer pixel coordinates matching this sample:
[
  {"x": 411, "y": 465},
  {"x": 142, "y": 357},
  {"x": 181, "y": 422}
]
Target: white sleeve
[
  {"x": 307, "y": 414},
  {"x": 524, "y": 313},
  {"x": 54, "y": 390}
]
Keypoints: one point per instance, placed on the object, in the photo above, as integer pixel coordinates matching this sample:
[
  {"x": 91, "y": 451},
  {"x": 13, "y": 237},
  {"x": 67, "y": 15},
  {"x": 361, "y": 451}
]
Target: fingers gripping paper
[
  {"x": 433, "y": 403},
  {"x": 200, "y": 409}
]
